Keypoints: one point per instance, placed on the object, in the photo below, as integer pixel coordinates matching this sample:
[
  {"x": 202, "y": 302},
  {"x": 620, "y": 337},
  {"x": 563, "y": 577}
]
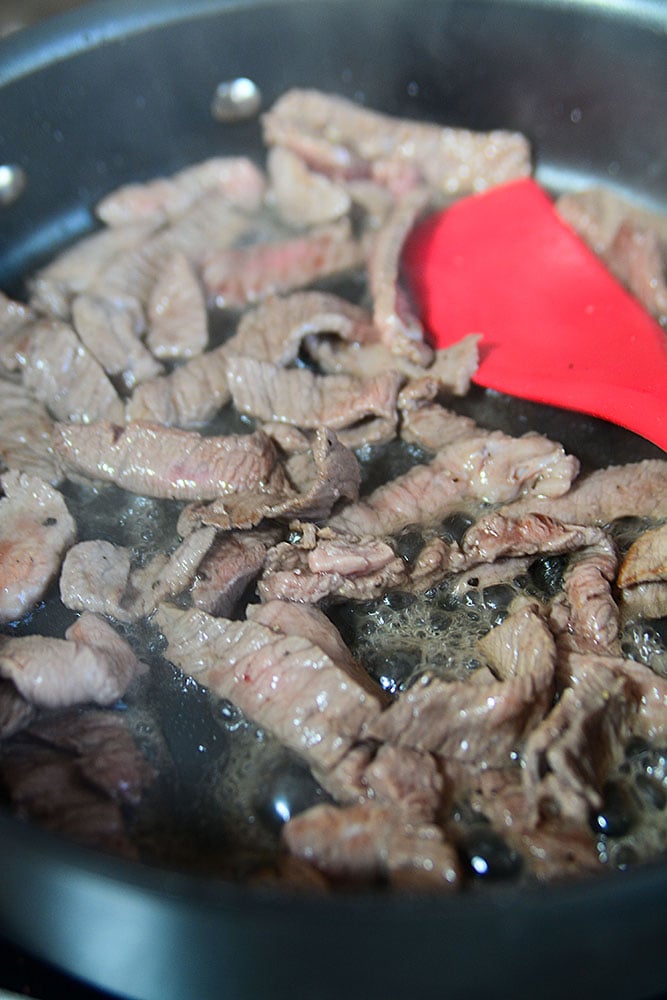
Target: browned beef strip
[
  {"x": 236, "y": 178},
  {"x": 636, "y": 258},
  {"x": 552, "y": 847},
  {"x": 177, "y": 317},
  {"x": 72, "y": 772},
  {"x": 339, "y": 137},
  {"x": 400, "y": 330},
  {"x": 107, "y": 756},
  {"x": 156, "y": 461},
  {"x": 646, "y": 559},
  {"x": 585, "y": 615},
  {"x": 568, "y": 756},
  {"x": 189, "y": 396},
  {"x": 111, "y": 333},
  {"x": 36, "y": 529},
  {"x": 59, "y": 371},
  {"x": 234, "y": 560},
  {"x": 26, "y": 442},
  {"x": 369, "y": 841},
  {"x": 97, "y": 576},
  {"x": 15, "y": 712},
  {"x": 274, "y": 330},
  {"x": 92, "y": 663},
  {"x": 286, "y": 684},
  {"x": 298, "y": 396},
  {"x": 332, "y": 474},
  {"x": 76, "y": 269},
  {"x": 485, "y": 465},
  {"x": 497, "y": 535},
  {"x": 238, "y": 276},
  {"x": 646, "y": 600},
  {"x": 346, "y": 568},
  {"x": 481, "y": 723},
  {"x": 638, "y": 489},
  {"x": 301, "y": 196}
]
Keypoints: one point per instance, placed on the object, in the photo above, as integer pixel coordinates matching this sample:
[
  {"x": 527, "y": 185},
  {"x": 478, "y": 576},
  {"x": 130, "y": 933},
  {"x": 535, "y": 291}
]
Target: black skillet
[{"x": 122, "y": 90}]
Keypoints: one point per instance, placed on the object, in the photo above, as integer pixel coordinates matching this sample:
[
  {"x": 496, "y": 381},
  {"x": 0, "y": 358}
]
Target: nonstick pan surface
[{"x": 115, "y": 93}]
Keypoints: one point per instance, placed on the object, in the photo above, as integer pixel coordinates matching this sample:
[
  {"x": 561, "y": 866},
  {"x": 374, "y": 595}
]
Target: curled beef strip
[
  {"x": 372, "y": 841},
  {"x": 61, "y": 373},
  {"x": 298, "y": 396},
  {"x": 97, "y": 576},
  {"x": 479, "y": 723},
  {"x": 285, "y": 683},
  {"x": 646, "y": 559},
  {"x": 585, "y": 616},
  {"x": 26, "y": 442},
  {"x": 36, "y": 529},
  {"x": 234, "y": 560},
  {"x": 336, "y": 136},
  {"x": 235, "y": 178},
  {"x": 303, "y": 197},
  {"x": 235, "y": 277},
  {"x": 638, "y": 489},
  {"x": 332, "y": 473},
  {"x": 111, "y": 333},
  {"x": 488, "y": 466},
  {"x": 92, "y": 663},
  {"x": 157, "y": 461}
]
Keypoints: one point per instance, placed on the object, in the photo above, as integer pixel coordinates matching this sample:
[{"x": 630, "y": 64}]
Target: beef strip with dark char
[
  {"x": 36, "y": 529},
  {"x": 285, "y": 683},
  {"x": 157, "y": 461}
]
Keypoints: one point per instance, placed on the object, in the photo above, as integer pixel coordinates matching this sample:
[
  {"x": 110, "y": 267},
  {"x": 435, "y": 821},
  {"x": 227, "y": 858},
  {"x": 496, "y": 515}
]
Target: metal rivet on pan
[
  {"x": 12, "y": 183},
  {"x": 236, "y": 100}
]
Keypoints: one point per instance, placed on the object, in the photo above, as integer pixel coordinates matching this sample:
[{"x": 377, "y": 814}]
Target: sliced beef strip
[
  {"x": 332, "y": 473},
  {"x": 485, "y": 465},
  {"x": 638, "y": 489},
  {"x": 636, "y": 258},
  {"x": 61, "y": 373},
  {"x": 484, "y": 723},
  {"x": 568, "y": 756},
  {"x": 552, "y": 848},
  {"x": 15, "y": 712},
  {"x": 585, "y": 615},
  {"x": 432, "y": 426},
  {"x": 76, "y": 269},
  {"x": 176, "y": 313},
  {"x": 36, "y": 529},
  {"x": 370, "y": 841},
  {"x": 400, "y": 329},
  {"x": 300, "y": 196},
  {"x": 285, "y": 683},
  {"x": 298, "y": 396},
  {"x": 645, "y": 600},
  {"x": 341, "y": 138},
  {"x": 92, "y": 663},
  {"x": 26, "y": 442},
  {"x": 450, "y": 373},
  {"x": 337, "y": 567},
  {"x": 157, "y": 461},
  {"x": 110, "y": 333},
  {"x": 234, "y": 560},
  {"x": 646, "y": 559},
  {"x": 235, "y": 277},
  {"x": 188, "y": 396},
  {"x": 235, "y": 178},
  {"x": 497, "y": 535},
  {"x": 97, "y": 576}
]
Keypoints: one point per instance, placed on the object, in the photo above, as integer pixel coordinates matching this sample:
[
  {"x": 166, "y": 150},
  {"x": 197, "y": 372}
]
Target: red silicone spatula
[{"x": 556, "y": 326}]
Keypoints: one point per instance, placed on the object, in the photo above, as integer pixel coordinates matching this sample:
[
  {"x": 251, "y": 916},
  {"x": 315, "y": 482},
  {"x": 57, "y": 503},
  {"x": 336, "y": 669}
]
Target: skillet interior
[{"x": 99, "y": 98}]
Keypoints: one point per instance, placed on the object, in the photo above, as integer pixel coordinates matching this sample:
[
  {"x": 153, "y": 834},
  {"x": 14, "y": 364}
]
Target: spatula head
[{"x": 556, "y": 326}]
